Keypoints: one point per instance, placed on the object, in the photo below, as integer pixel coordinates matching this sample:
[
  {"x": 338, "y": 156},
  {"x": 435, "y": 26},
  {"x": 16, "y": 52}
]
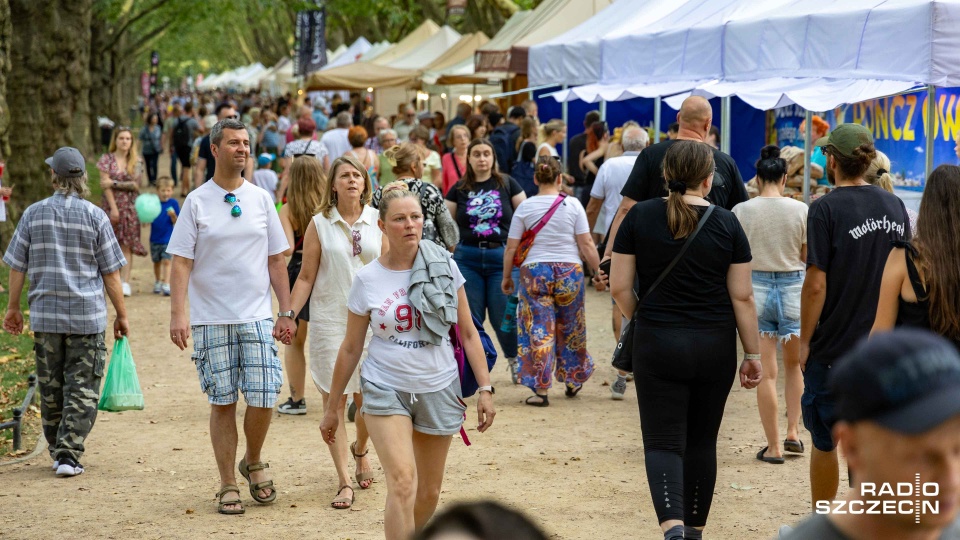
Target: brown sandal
[
  {"x": 361, "y": 476},
  {"x": 230, "y": 488},
  {"x": 255, "y": 488},
  {"x": 344, "y": 502}
]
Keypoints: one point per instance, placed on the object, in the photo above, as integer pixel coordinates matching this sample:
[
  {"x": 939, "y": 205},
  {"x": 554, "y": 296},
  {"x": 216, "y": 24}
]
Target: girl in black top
[
  {"x": 921, "y": 280},
  {"x": 685, "y": 336}
]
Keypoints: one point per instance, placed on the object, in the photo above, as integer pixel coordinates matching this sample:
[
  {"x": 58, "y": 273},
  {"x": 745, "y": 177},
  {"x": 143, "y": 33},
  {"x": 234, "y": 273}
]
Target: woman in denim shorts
[
  {"x": 777, "y": 229},
  {"x": 412, "y": 402}
]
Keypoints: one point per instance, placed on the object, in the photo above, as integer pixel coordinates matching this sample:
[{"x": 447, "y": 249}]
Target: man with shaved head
[{"x": 646, "y": 180}]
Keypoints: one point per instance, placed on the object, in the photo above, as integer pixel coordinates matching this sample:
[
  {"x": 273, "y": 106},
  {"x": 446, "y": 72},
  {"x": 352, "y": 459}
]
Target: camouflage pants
[{"x": 69, "y": 369}]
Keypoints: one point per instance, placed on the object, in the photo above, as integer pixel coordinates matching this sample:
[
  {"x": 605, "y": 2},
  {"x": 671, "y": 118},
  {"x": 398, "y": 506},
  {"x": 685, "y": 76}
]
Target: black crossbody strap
[{"x": 679, "y": 256}]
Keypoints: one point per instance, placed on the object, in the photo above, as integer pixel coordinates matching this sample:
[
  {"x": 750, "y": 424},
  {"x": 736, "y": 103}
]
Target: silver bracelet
[{"x": 751, "y": 356}]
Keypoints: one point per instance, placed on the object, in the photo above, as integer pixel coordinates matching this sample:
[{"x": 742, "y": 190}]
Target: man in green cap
[{"x": 849, "y": 234}]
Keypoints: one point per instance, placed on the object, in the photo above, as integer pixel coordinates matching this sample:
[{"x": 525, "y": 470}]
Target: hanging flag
[
  {"x": 310, "y": 51},
  {"x": 154, "y": 72}
]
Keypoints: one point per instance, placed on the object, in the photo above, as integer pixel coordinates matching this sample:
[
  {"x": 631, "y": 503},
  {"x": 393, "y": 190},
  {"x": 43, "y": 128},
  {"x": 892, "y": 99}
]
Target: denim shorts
[
  {"x": 777, "y": 295},
  {"x": 433, "y": 413},
  {"x": 158, "y": 252},
  {"x": 818, "y": 405},
  {"x": 232, "y": 358}
]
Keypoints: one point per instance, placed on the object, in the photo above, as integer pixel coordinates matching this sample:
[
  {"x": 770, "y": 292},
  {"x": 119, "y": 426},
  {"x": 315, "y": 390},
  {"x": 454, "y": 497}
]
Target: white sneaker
[
  {"x": 69, "y": 467},
  {"x": 619, "y": 388},
  {"x": 126, "y": 289},
  {"x": 166, "y": 289},
  {"x": 157, "y": 287}
]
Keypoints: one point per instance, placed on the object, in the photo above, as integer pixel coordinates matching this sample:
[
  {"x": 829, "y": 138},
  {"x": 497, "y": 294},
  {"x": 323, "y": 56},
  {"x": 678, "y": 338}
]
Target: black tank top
[{"x": 913, "y": 314}]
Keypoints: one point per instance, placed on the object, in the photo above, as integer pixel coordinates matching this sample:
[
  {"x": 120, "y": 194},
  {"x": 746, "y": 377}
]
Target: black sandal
[
  {"x": 771, "y": 460},
  {"x": 793, "y": 446},
  {"x": 540, "y": 401},
  {"x": 572, "y": 390}
]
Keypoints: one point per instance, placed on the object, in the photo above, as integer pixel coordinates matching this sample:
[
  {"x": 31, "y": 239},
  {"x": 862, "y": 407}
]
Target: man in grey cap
[
  {"x": 67, "y": 248},
  {"x": 898, "y": 422}
]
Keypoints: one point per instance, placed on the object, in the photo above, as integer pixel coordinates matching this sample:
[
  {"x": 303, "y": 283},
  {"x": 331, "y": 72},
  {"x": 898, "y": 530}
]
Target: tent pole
[
  {"x": 603, "y": 110},
  {"x": 807, "y": 154},
  {"x": 657, "y": 104},
  {"x": 931, "y": 129},
  {"x": 566, "y": 122},
  {"x": 725, "y": 125}
]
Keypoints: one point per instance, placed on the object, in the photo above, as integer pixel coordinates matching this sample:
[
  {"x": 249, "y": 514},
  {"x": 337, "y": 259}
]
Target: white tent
[
  {"x": 427, "y": 51},
  {"x": 376, "y": 50},
  {"x": 350, "y": 54}
]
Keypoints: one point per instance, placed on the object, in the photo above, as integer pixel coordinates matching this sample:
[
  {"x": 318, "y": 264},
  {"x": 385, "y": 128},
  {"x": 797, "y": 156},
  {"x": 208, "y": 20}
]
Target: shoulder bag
[
  {"x": 526, "y": 241},
  {"x": 623, "y": 354}
]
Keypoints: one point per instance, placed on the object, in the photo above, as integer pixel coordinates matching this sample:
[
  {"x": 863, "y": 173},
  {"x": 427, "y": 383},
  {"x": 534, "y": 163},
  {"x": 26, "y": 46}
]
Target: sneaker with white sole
[
  {"x": 157, "y": 287},
  {"x": 619, "y": 388},
  {"x": 56, "y": 464},
  {"x": 514, "y": 367},
  {"x": 126, "y": 289},
  {"x": 69, "y": 467},
  {"x": 165, "y": 289},
  {"x": 293, "y": 407}
]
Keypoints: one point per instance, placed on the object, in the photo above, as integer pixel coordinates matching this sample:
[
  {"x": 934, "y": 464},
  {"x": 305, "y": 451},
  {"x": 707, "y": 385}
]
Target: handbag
[
  {"x": 623, "y": 353},
  {"x": 526, "y": 240},
  {"x": 468, "y": 380}
]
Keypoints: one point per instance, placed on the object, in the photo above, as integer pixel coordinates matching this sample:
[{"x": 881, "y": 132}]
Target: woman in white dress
[{"x": 340, "y": 240}]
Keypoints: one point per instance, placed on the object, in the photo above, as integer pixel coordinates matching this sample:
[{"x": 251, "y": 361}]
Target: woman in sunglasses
[{"x": 339, "y": 241}]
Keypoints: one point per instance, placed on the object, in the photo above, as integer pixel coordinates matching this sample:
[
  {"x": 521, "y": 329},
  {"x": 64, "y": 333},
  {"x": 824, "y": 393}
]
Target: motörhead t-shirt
[
  {"x": 849, "y": 235},
  {"x": 484, "y": 213},
  {"x": 397, "y": 357}
]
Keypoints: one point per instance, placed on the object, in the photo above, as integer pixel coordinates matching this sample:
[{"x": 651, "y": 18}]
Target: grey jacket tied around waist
[{"x": 432, "y": 291}]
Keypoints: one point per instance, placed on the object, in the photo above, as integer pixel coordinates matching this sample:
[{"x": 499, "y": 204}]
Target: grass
[{"x": 16, "y": 364}]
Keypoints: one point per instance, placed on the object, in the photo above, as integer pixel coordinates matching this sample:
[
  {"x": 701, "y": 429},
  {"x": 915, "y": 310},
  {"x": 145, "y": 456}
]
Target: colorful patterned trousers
[{"x": 551, "y": 325}]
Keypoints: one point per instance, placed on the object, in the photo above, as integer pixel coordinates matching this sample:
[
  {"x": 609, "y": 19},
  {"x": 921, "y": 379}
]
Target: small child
[
  {"x": 264, "y": 177},
  {"x": 160, "y": 232}
]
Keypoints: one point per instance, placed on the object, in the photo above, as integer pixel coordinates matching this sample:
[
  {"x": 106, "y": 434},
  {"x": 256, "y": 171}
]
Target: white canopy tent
[{"x": 350, "y": 54}]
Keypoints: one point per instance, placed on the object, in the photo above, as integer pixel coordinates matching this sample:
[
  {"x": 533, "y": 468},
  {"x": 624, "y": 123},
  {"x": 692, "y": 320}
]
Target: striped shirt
[{"x": 64, "y": 245}]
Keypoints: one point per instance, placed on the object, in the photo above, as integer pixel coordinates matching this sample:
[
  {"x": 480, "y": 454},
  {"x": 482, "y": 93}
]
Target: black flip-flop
[
  {"x": 771, "y": 460},
  {"x": 540, "y": 401},
  {"x": 572, "y": 390},
  {"x": 793, "y": 446}
]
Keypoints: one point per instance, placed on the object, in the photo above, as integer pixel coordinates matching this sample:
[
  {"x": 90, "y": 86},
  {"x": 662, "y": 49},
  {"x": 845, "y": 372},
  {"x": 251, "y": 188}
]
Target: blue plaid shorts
[{"x": 238, "y": 357}]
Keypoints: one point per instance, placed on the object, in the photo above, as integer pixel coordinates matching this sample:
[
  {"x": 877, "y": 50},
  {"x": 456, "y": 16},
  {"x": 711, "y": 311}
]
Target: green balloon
[{"x": 148, "y": 207}]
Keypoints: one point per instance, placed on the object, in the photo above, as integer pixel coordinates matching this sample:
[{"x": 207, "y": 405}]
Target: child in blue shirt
[{"x": 160, "y": 232}]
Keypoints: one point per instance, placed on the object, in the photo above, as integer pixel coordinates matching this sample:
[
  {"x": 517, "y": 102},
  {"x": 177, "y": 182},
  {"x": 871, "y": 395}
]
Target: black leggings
[{"x": 683, "y": 377}]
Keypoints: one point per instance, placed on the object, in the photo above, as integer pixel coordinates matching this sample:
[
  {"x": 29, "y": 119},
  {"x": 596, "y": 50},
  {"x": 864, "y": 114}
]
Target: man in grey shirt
[
  {"x": 67, "y": 248},
  {"x": 898, "y": 414}
]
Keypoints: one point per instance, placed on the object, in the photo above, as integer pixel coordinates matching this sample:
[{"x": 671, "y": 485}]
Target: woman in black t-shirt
[
  {"x": 482, "y": 203},
  {"x": 921, "y": 285},
  {"x": 685, "y": 336}
]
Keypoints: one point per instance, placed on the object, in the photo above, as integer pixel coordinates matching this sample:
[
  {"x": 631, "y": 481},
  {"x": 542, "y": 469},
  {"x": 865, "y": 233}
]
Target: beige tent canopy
[{"x": 507, "y": 51}]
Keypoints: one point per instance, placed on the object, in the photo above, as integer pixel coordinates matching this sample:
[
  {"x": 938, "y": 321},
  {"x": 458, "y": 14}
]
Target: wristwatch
[
  {"x": 286, "y": 314},
  {"x": 487, "y": 389}
]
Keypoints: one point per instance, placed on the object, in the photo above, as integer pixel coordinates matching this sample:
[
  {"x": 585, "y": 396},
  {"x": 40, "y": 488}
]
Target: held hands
[
  {"x": 120, "y": 327},
  {"x": 13, "y": 321},
  {"x": 750, "y": 374},
  {"x": 329, "y": 426},
  {"x": 284, "y": 330},
  {"x": 600, "y": 281},
  {"x": 507, "y": 285},
  {"x": 485, "y": 411}
]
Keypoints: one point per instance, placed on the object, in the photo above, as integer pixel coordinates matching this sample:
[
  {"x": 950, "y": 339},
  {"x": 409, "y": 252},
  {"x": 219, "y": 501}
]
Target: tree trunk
[
  {"x": 5, "y": 31},
  {"x": 49, "y": 79}
]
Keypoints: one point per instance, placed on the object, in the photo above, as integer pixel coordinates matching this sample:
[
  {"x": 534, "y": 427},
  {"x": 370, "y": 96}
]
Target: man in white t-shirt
[
  {"x": 605, "y": 199},
  {"x": 228, "y": 249},
  {"x": 336, "y": 139}
]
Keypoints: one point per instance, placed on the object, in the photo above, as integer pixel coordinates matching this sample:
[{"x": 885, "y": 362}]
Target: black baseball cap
[{"x": 906, "y": 380}]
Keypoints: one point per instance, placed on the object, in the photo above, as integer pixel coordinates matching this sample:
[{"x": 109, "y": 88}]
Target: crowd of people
[{"x": 383, "y": 238}]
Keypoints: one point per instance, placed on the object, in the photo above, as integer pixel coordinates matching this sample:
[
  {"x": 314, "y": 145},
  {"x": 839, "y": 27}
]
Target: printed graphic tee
[
  {"x": 485, "y": 212},
  {"x": 849, "y": 232},
  {"x": 397, "y": 357}
]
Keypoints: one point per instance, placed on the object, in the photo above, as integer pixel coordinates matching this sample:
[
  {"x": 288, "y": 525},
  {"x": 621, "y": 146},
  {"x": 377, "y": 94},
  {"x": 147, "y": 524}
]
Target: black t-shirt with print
[
  {"x": 849, "y": 235},
  {"x": 694, "y": 294},
  {"x": 484, "y": 213},
  {"x": 646, "y": 179}
]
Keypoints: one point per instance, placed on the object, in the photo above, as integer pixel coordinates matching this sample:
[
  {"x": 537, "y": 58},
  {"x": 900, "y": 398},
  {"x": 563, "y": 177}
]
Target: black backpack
[
  {"x": 181, "y": 133},
  {"x": 500, "y": 140}
]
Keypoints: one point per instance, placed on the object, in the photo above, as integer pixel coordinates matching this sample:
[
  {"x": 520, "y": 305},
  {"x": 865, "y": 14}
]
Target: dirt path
[{"x": 575, "y": 467}]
